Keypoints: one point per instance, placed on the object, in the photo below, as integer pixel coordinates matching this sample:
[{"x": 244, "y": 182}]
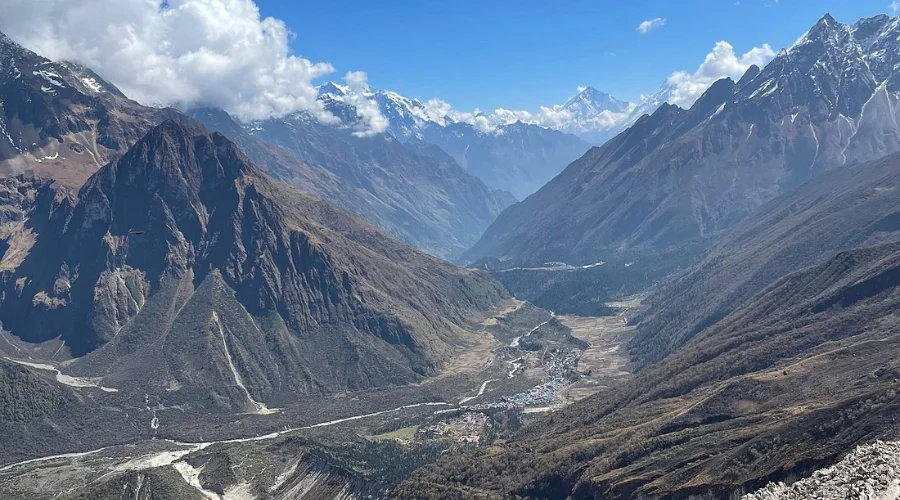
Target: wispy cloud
[
  {"x": 650, "y": 25},
  {"x": 371, "y": 121},
  {"x": 895, "y": 6}
]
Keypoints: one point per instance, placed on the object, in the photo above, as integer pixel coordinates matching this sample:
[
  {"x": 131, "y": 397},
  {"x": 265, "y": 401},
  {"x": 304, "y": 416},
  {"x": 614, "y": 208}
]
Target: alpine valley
[{"x": 375, "y": 296}]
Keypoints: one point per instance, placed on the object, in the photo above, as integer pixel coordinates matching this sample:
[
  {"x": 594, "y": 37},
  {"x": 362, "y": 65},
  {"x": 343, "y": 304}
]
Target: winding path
[
  {"x": 480, "y": 392},
  {"x": 170, "y": 457},
  {"x": 515, "y": 342}
]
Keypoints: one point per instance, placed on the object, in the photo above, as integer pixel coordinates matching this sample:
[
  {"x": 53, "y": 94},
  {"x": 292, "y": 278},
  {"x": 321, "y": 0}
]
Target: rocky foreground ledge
[{"x": 870, "y": 472}]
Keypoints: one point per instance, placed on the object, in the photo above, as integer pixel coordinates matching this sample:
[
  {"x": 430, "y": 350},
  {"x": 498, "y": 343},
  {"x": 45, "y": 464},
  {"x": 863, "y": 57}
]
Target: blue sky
[{"x": 520, "y": 54}]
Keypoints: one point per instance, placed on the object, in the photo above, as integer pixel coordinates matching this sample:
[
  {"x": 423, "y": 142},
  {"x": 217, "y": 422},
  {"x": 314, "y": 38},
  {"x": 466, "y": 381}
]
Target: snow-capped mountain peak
[
  {"x": 334, "y": 89},
  {"x": 406, "y": 117},
  {"x": 840, "y": 66},
  {"x": 590, "y": 101}
]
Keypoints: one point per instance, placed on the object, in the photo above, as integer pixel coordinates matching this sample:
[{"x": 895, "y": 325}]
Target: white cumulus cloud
[
  {"x": 720, "y": 63},
  {"x": 440, "y": 112},
  {"x": 371, "y": 121},
  {"x": 179, "y": 52},
  {"x": 650, "y": 25}
]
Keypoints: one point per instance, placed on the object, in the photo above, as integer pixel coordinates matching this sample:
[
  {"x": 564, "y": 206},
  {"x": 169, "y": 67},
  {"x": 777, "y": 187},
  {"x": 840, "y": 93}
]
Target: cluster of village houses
[{"x": 470, "y": 426}]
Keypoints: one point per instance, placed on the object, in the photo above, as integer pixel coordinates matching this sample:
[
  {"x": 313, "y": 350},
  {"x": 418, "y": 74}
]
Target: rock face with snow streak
[
  {"x": 61, "y": 120},
  {"x": 180, "y": 264},
  {"x": 871, "y": 472},
  {"x": 831, "y": 100}
]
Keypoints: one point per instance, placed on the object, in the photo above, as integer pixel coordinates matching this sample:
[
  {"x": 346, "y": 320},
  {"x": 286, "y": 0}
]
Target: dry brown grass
[{"x": 605, "y": 362}]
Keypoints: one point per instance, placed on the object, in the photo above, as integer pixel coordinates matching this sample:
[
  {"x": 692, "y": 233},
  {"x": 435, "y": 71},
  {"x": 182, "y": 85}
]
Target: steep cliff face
[
  {"x": 309, "y": 478},
  {"x": 180, "y": 264}
]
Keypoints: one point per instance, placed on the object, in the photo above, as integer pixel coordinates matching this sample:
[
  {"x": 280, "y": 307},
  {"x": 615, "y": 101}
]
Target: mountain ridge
[
  {"x": 61, "y": 119},
  {"x": 682, "y": 175},
  {"x": 182, "y": 222},
  {"x": 512, "y": 156},
  {"x": 423, "y": 199}
]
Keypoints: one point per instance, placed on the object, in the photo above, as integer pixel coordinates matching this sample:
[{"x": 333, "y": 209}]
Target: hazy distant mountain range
[{"x": 514, "y": 157}]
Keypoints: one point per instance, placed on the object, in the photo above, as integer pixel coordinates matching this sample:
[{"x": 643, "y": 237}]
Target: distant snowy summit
[
  {"x": 592, "y": 115},
  {"x": 503, "y": 149}
]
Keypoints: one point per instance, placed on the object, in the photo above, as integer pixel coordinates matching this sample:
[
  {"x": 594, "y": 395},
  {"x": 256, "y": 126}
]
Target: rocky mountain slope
[
  {"x": 765, "y": 369},
  {"x": 514, "y": 157},
  {"x": 786, "y": 384},
  {"x": 180, "y": 265},
  {"x": 680, "y": 175},
  {"x": 422, "y": 199},
  {"x": 844, "y": 209},
  {"x": 870, "y": 471},
  {"x": 151, "y": 484},
  {"x": 61, "y": 120}
]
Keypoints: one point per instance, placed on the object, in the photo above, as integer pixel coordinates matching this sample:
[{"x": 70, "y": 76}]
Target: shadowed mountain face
[
  {"x": 785, "y": 384},
  {"x": 61, "y": 120},
  {"x": 847, "y": 208},
  {"x": 181, "y": 265},
  {"x": 680, "y": 175},
  {"x": 765, "y": 368},
  {"x": 419, "y": 197}
]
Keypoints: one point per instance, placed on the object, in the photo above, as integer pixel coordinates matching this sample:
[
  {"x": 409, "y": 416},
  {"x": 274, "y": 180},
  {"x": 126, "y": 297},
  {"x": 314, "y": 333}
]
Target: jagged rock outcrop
[{"x": 871, "y": 471}]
